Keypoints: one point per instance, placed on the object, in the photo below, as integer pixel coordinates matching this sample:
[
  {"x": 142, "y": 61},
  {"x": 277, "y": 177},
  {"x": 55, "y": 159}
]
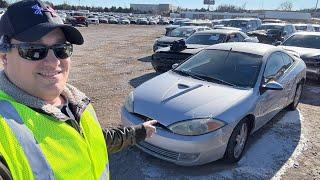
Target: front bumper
[{"x": 182, "y": 150}]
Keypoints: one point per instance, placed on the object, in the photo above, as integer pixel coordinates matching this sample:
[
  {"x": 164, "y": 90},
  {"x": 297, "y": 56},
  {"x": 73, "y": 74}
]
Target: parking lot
[{"x": 116, "y": 58}]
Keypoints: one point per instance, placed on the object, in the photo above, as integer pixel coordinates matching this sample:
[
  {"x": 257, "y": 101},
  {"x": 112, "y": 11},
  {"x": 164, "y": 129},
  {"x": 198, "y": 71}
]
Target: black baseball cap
[{"x": 30, "y": 20}]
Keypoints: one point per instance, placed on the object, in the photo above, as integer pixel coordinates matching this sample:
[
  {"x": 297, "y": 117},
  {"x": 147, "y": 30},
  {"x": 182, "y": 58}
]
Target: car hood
[
  {"x": 169, "y": 39},
  {"x": 303, "y": 52},
  {"x": 191, "y": 48},
  {"x": 170, "y": 98}
]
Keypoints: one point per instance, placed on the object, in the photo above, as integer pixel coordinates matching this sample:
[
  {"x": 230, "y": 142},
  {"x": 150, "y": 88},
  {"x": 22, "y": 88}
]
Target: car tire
[
  {"x": 296, "y": 98},
  {"x": 237, "y": 142}
]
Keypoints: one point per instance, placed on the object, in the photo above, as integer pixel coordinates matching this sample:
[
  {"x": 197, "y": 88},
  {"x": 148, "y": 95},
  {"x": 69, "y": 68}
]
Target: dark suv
[{"x": 270, "y": 33}]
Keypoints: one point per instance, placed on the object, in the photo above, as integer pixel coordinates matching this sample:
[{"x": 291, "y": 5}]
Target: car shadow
[
  {"x": 146, "y": 59},
  {"x": 267, "y": 152},
  {"x": 311, "y": 93},
  {"x": 135, "y": 82}
]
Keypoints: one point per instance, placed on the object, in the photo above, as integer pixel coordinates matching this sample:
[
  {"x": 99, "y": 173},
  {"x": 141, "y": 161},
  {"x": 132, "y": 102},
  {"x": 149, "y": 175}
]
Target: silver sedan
[{"x": 208, "y": 106}]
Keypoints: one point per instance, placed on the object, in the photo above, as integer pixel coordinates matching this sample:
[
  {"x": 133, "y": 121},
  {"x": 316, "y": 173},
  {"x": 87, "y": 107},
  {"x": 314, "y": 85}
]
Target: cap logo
[{"x": 38, "y": 10}]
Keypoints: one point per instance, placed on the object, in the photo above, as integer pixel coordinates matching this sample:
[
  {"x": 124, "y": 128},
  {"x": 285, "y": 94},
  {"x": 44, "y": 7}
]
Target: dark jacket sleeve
[
  {"x": 119, "y": 138},
  {"x": 4, "y": 171}
]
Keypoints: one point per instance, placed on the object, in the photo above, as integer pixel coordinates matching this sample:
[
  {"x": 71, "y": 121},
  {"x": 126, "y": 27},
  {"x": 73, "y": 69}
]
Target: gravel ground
[{"x": 116, "y": 58}]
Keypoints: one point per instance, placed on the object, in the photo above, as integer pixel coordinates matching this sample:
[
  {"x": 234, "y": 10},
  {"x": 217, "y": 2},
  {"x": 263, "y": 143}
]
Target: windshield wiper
[
  {"x": 221, "y": 81},
  {"x": 206, "y": 77},
  {"x": 188, "y": 73},
  {"x": 203, "y": 77}
]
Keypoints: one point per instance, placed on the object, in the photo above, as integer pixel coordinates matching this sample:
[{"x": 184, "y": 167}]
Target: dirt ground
[{"x": 116, "y": 58}]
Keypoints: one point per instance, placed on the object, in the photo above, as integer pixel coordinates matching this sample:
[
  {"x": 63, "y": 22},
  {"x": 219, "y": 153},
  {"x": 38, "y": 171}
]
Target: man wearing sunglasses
[{"x": 48, "y": 128}]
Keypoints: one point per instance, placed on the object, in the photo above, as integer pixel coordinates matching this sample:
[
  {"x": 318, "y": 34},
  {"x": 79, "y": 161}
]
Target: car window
[
  {"x": 239, "y": 37},
  {"x": 306, "y": 41},
  {"x": 287, "y": 60},
  {"x": 274, "y": 67},
  {"x": 206, "y": 39},
  {"x": 232, "y": 38}
]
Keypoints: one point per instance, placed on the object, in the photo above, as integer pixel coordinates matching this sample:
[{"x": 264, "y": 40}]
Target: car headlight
[
  {"x": 128, "y": 103},
  {"x": 196, "y": 127}
]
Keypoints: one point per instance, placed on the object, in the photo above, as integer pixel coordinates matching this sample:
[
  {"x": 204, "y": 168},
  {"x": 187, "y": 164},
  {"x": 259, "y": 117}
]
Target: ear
[{"x": 3, "y": 58}]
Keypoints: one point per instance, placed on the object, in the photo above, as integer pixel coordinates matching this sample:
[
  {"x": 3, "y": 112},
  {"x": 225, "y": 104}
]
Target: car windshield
[
  {"x": 236, "y": 23},
  {"x": 307, "y": 41},
  {"x": 266, "y": 27},
  {"x": 178, "y": 22},
  {"x": 224, "y": 67},
  {"x": 301, "y": 28},
  {"x": 206, "y": 39},
  {"x": 181, "y": 32}
]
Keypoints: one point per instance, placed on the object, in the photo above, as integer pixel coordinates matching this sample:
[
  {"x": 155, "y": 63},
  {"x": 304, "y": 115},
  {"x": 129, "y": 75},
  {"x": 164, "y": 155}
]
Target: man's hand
[{"x": 150, "y": 128}]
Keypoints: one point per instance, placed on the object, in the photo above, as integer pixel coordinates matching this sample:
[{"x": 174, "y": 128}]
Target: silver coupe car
[{"x": 208, "y": 106}]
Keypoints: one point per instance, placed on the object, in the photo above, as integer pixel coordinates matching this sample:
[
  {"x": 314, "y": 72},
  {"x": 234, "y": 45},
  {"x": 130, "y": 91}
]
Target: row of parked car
[
  {"x": 184, "y": 41},
  {"x": 219, "y": 87},
  {"x": 77, "y": 18}
]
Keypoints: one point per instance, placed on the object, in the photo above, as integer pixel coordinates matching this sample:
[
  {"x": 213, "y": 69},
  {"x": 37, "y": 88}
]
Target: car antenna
[{"x": 226, "y": 58}]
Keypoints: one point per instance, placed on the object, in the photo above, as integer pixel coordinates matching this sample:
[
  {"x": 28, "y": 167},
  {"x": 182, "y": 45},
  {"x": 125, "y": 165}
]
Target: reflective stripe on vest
[
  {"x": 39, "y": 165},
  {"x": 105, "y": 174}
]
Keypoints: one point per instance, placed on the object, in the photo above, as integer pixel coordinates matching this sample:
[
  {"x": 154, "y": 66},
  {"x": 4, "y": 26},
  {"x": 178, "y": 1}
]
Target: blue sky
[{"x": 249, "y": 4}]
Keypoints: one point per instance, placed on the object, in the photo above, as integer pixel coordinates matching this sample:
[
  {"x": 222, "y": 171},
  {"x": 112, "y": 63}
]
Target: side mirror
[
  {"x": 277, "y": 43},
  {"x": 272, "y": 85},
  {"x": 174, "y": 65}
]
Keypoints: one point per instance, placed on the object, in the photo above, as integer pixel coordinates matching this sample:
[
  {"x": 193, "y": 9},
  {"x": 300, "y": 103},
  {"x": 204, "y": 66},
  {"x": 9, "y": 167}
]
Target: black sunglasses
[{"x": 36, "y": 52}]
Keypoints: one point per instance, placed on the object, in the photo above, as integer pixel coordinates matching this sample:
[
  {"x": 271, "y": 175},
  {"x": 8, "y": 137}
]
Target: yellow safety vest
[{"x": 38, "y": 146}]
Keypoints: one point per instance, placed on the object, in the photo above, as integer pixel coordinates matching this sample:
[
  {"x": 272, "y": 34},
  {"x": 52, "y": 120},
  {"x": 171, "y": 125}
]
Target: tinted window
[
  {"x": 307, "y": 41},
  {"x": 239, "y": 37},
  {"x": 301, "y": 28},
  {"x": 274, "y": 66},
  {"x": 206, "y": 39},
  {"x": 237, "y": 23},
  {"x": 181, "y": 32},
  {"x": 266, "y": 27},
  {"x": 287, "y": 60},
  {"x": 240, "y": 69}
]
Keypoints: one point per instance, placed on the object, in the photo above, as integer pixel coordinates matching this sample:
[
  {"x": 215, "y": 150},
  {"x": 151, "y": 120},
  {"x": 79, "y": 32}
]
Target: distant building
[
  {"x": 154, "y": 8},
  {"x": 263, "y": 14}
]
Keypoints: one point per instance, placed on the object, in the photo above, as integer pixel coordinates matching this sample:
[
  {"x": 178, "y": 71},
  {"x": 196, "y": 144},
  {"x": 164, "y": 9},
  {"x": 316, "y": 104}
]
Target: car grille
[
  {"x": 160, "y": 151},
  {"x": 145, "y": 119},
  {"x": 310, "y": 62}
]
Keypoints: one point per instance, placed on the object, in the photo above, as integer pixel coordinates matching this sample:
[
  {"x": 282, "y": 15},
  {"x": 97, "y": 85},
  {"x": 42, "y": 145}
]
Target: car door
[
  {"x": 288, "y": 79},
  {"x": 270, "y": 102}
]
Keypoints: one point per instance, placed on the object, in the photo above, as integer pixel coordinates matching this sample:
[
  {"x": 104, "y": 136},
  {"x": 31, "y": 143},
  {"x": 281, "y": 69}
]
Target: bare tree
[{"x": 286, "y": 6}]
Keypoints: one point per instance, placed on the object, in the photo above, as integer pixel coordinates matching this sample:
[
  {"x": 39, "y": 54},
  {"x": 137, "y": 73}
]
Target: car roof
[
  {"x": 218, "y": 31},
  {"x": 307, "y": 33},
  {"x": 275, "y": 24},
  {"x": 192, "y": 27},
  {"x": 246, "y": 47}
]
